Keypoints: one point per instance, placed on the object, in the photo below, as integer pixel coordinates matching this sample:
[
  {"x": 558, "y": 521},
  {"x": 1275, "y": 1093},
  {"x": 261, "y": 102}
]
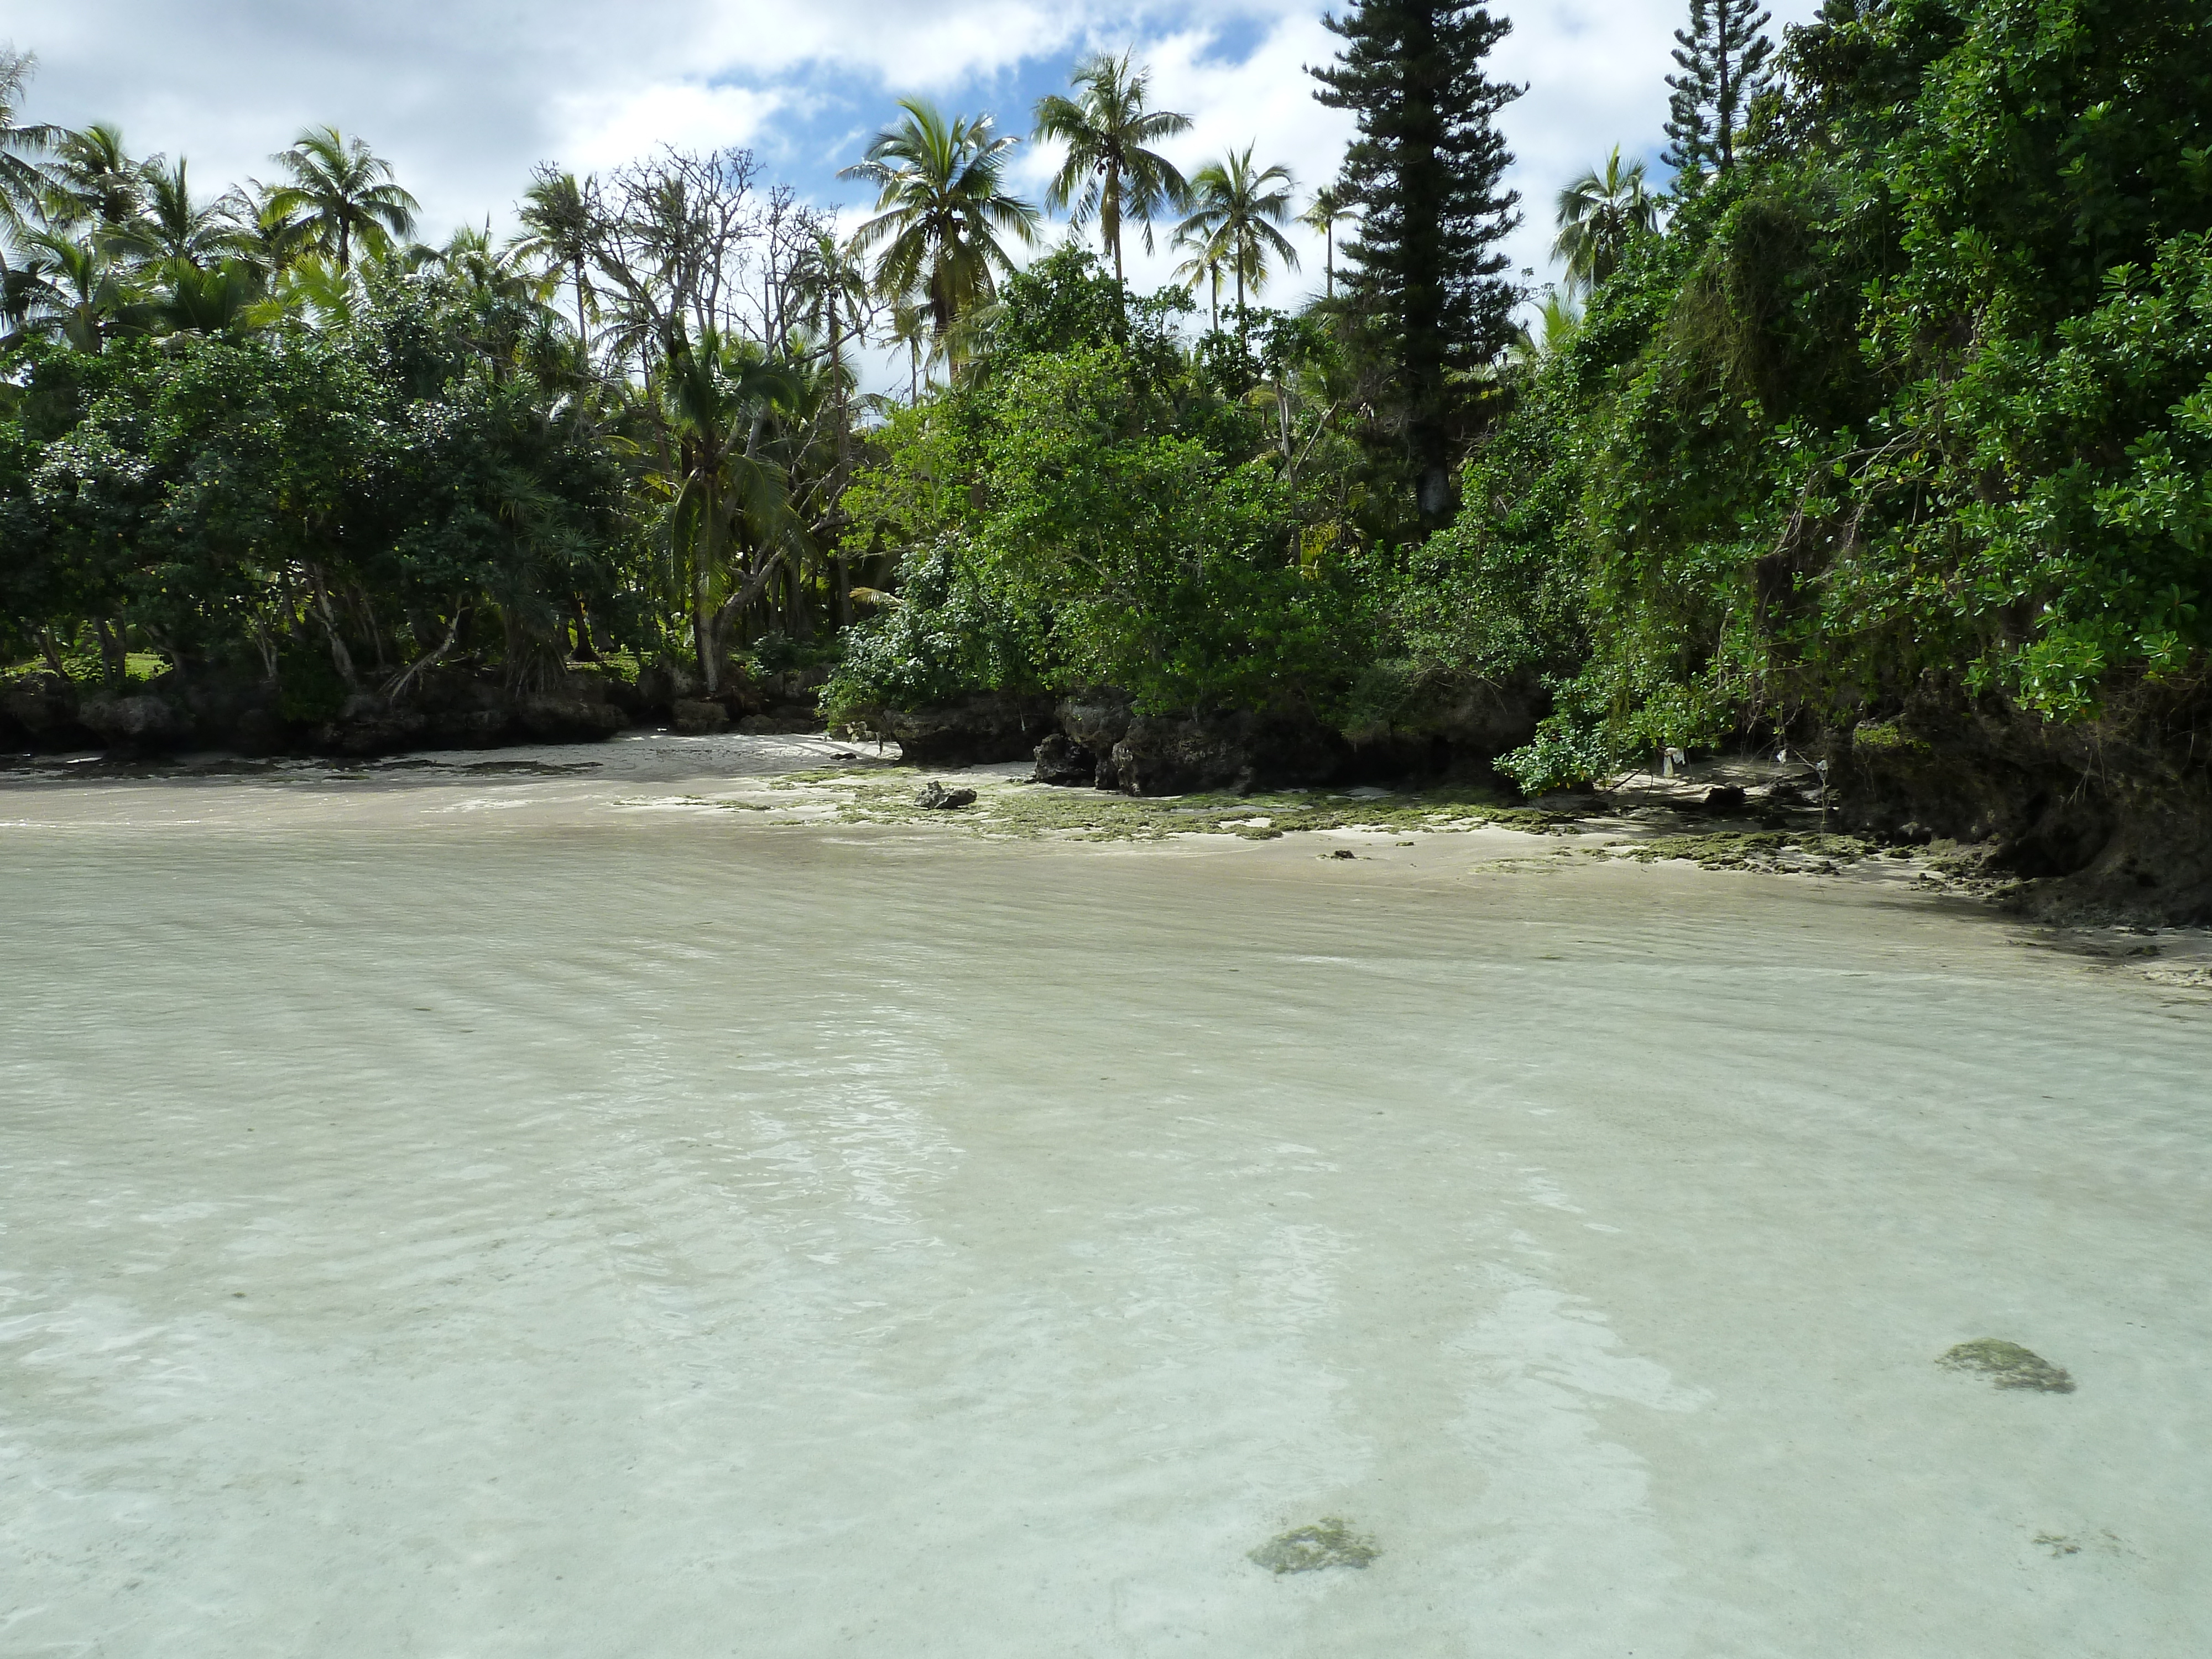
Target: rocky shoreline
[
  {"x": 2067, "y": 824},
  {"x": 445, "y": 709},
  {"x": 2062, "y": 824}
]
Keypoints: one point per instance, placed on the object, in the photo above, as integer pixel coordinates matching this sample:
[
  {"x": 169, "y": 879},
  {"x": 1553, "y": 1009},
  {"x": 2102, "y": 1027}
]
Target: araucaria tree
[
  {"x": 1723, "y": 57},
  {"x": 1428, "y": 168}
]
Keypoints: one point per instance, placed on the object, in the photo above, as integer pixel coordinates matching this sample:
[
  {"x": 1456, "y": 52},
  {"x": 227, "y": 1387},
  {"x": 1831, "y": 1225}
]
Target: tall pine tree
[
  {"x": 1724, "y": 57},
  {"x": 1428, "y": 171}
]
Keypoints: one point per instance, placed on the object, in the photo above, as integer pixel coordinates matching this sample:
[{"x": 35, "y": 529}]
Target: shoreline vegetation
[{"x": 1869, "y": 429}]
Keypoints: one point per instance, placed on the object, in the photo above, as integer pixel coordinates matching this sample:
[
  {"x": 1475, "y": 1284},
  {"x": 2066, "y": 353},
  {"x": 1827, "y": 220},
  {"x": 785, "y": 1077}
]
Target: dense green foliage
[
  {"x": 253, "y": 499},
  {"x": 1913, "y": 397},
  {"x": 1903, "y": 392},
  {"x": 1099, "y": 506},
  {"x": 265, "y": 438}
]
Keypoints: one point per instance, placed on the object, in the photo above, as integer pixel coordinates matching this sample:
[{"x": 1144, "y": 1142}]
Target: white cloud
[
  {"x": 604, "y": 129},
  {"x": 464, "y": 95}
]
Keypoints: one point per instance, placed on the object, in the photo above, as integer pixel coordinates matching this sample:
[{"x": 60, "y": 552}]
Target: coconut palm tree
[
  {"x": 338, "y": 193},
  {"x": 829, "y": 296},
  {"x": 85, "y": 297},
  {"x": 555, "y": 211},
  {"x": 24, "y": 294},
  {"x": 22, "y": 179},
  {"x": 723, "y": 492},
  {"x": 1238, "y": 206},
  {"x": 942, "y": 208},
  {"x": 470, "y": 261},
  {"x": 1209, "y": 258},
  {"x": 223, "y": 298},
  {"x": 1330, "y": 207},
  {"x": 1557, "y": 319},
  {"x": 1599, "y": 215},
  {"x": 172, "y": 226},
  {"x": 310, "y": 292},
  {"x": 92, "y": 178},
  {"x": 1110, "y": 171}
]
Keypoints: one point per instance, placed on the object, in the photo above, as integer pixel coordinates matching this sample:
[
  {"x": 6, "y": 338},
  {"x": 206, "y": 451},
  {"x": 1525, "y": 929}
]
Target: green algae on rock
[
  {"x": 2008, "y": 1365},
  {"x": 1758, "y": 850},
  {"x": 1028, "y": 811},
  {"x": 1329, "y": 1542}
]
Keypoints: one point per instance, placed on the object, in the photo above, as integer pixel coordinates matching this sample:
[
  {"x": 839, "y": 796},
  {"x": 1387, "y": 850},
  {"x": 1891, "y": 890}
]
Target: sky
[{"x": 463, "y": 96}]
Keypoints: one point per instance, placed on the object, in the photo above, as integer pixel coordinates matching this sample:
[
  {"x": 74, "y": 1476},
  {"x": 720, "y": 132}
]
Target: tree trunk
[
  {"x": 167, "y": 646},
  {"x": 112, "y": 667},
  {"x": 706, "y": 638},
  {"x": 341, "y": 658},
  {"x": 398, "y": 689},
  {"x": 755, "y": 585},
  {"x": 1110, "y": 217}
]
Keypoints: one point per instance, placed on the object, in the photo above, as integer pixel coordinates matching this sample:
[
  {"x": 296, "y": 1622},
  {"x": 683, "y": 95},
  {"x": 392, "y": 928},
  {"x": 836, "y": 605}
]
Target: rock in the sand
[
  {"x": 1726, "y": 801},
  {"x": 132, "y": 722},
  {"x": 2008, "y": 1365},
  {"x": 938, "y": 799},
  {"x": 696, "y": 717}
]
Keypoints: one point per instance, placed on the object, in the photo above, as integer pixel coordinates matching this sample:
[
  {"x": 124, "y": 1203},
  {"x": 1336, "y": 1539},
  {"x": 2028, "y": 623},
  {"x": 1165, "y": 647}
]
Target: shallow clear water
[{"x": 581, "y": 1232}]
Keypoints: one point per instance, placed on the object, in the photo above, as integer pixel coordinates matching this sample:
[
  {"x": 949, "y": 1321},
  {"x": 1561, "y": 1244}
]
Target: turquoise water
[{"x": 505, "y": 1223}]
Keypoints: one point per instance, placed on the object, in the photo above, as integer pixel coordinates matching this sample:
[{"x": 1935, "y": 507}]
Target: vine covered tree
[
  {"x": 1724, "y": 57},
  {"x": 1111, "y": 171},
  {"x": 1429, "y": 168}
]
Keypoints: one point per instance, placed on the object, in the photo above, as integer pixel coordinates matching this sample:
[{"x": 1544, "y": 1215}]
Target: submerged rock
[
  {"x": 2008, "y": 1365},
  {"x": 938, "y": 799},
  {"x": 1329, "y": 1542}
]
